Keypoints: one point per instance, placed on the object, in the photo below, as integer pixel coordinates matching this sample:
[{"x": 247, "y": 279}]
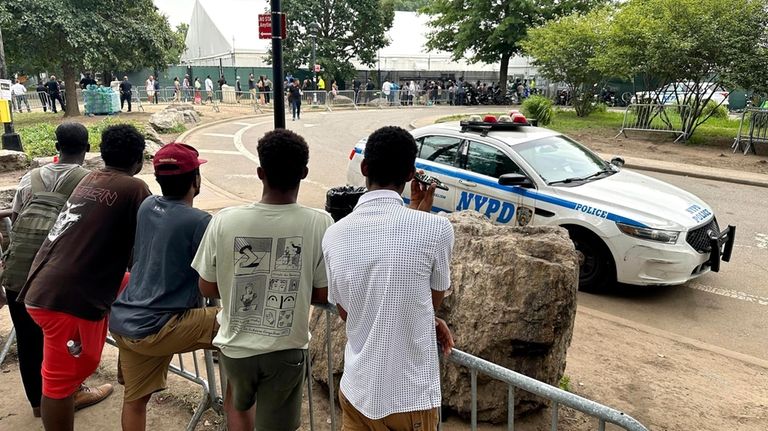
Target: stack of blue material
[{"x": 101, "y": 100}]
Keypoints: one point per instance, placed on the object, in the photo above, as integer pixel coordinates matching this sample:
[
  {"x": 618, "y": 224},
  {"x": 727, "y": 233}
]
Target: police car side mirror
[
  {"x": 617, "y": 161},
  {"x": 515, "y": 180}
]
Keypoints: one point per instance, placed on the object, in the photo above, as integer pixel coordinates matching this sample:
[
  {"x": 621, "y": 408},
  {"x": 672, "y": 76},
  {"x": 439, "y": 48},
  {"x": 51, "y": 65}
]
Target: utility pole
[
  {"x": 277, "y": 65},
  {"x": 11, "y": 140}
]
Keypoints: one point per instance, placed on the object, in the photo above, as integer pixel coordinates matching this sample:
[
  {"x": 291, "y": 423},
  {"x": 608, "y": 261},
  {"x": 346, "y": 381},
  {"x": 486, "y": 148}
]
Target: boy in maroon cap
[{"x": 161, "y": 312}]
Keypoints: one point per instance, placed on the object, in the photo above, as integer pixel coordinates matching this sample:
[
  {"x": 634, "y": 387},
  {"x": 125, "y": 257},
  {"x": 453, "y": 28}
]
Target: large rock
[
  {"x": 382, "y": 101},
  {"x": 166, "y": 120},
  {"x": 13, "y": 160},
  {"x": 342, "y": 101},
  {"x": 6, "y": 196},
  {"x": 513, "y": 302}
]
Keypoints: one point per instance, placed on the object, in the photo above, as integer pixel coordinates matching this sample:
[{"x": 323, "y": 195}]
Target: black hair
[
  {"x": 283, "y": 155},
  {"x": 72, "y": 138},
  {"x": 390, "y": 154},
  {"x": 122, "y": 146},
  {"x": 176, "y": 186}
]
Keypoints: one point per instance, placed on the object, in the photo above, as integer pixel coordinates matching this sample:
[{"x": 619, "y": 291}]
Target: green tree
[
  {"x": 694, "y": 42},
  {"x": 347, "y": 30},
  {"x": 409, "y": 5},
  {"x": 86, "y": 35},
  {"x": 565, "y": 49},
  {"x": 491, "y": 31}
]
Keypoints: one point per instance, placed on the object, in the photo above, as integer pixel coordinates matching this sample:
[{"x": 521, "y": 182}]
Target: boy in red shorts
[{"x": 77, "y": 272}]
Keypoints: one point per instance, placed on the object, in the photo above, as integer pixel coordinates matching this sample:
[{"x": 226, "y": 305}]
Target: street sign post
[{"x": 265, "y": 26}]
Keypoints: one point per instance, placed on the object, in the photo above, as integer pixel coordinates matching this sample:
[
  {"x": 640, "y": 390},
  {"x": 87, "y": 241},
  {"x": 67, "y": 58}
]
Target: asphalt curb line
[{"x": 751, "y": 360}]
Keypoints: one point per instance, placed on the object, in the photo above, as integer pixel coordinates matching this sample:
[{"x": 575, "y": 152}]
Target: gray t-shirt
[{"x": 162, "y": 283}]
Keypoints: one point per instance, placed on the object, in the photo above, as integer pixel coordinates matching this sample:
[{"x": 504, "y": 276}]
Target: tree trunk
[
  {"x": 503, "y": 71},
  {"x": 71, "y": 84}
]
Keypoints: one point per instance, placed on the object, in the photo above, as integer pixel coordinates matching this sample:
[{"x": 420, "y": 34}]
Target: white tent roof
[{"x": 220, "y": 27}]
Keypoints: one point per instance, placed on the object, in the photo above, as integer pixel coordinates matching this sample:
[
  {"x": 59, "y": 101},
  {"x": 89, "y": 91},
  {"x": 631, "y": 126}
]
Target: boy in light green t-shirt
[{"x": 265, "y": 262}]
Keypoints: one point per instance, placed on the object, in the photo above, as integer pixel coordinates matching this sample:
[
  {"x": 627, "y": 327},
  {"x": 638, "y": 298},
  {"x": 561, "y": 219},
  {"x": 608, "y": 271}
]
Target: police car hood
[{"x": 642, "y": 199}]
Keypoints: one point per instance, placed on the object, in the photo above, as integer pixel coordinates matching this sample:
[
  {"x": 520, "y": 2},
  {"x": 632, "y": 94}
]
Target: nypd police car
[{"x": 625, "y": 226}]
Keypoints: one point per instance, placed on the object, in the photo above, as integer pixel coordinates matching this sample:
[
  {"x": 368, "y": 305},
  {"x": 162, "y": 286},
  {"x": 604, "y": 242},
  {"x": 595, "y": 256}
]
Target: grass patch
[
  {"x": 179, "y": 128},
  {"x": 39, "y": 139},
  {"x": 565, "y": 383}
]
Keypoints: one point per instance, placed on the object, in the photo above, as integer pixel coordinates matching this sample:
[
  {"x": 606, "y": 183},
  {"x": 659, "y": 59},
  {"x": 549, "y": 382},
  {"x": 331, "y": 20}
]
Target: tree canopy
[
  {"x": 491, "y": 31},
  {"x": 86, "y": 35},
  {"x": 347, "y": 29}
]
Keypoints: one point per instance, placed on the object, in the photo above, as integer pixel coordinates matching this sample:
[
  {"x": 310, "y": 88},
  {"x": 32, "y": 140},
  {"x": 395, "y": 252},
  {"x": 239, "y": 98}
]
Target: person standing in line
[
  {"x": 185, "y": 86},
  {"x": 369, "y": 87},
  {"x": 86, "y": 81},
  {"x": 260, "y": 86},
  {"x": 161, "y": 313},
  {"x": 266, "y": 287},
  {"x": 267, "y": 89},
  {"x": 62, "y": 178},
  {"x": 19, "y": 92},
  {"x": 54, "y": 93},
  {"x": 42, "y": 94},
  {"x": 176, "y": 89},
  {"x": 386, "y": 89},
  {"x": 149, "y": 86},
  {"x": 388, "y": 269},
  {"x": 198, "y": 92},
  {"x": 238, "y": 89},
  {"x": 294, "y": 98},
  {"x": 76, "y": 274},
  {"x": 209, "y": 89},
  {"x": 252, "y": 86},
  {"x": 126, "y": 93},
  {"x": 157, "y": 91}
]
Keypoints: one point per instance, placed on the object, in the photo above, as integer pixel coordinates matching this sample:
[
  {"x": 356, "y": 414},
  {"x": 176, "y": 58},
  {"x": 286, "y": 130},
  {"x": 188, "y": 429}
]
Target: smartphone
[{"x": 426, "y": 179}]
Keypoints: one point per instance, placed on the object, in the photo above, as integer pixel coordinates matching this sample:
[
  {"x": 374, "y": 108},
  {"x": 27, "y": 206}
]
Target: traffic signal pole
[{"x": 277, "y": 65}]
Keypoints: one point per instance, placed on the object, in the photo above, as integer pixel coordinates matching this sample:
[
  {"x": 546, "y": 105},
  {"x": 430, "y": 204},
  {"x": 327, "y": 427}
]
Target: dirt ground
[{"x": 665, "y": 383}]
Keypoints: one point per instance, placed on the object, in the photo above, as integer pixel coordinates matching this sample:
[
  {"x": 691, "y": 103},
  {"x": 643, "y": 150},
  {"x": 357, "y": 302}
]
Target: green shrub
[
  {"x": 39, "y": 139},
  {"x": 717, "y": 111},
  {"x": 600, "y": 108},
  {"x": 539, "y": 108}
]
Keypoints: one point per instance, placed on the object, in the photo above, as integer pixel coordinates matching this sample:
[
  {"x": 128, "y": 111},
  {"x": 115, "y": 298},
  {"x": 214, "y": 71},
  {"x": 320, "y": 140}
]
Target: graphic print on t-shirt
[
  {"x": 252, "y": 255},
  {"x": 66, "y": 219},
  {"x": 288, "y": 254},
  {"x": 264, "y": 295}
]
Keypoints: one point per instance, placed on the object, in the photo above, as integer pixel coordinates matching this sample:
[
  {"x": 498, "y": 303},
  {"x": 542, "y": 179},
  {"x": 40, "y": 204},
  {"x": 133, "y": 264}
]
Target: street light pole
[
  {"x": 277, "y": 65},
  {"x": 314, "y": 29},
  {"x": 10, "y": 140}
]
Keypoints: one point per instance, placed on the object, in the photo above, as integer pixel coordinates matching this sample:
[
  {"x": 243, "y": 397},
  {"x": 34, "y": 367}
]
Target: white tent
[{"x": 226, "y": 32}]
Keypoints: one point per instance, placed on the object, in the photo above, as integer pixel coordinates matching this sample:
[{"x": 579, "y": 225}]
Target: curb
[
  {"x": 196, "y": 129},
  {"x": 751, "y": 360}
]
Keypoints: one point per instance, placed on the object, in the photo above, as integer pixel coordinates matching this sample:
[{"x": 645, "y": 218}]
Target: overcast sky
[{"x": 178, "y": 11}]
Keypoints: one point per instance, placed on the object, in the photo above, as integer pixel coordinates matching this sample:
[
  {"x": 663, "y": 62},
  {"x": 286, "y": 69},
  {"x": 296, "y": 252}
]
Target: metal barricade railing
[
  {"x": 317, "y": 99},
  {"x": 213, "y": 388},
  {"x": 654, "y": 117},
  {"x": 753, "y": 129},
  {"x": 372, "y": 99},
  {"x": 236, "y": 101},
  {"x": 513, "y": 379}
]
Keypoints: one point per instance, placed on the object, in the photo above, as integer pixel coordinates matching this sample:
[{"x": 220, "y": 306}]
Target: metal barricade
[
  {"x": 343, "y": 99},
  {"x": 236, "y": 101},
  {"x": 7, "y": 346},
  {"x": 372, "y": 99},
  {"x": 314, "y": 99},
  {"x": 513, "y": 379},
  {"x": 213, "y": 390},
  {"x": 753, "y": 129},
  {"x": 653, "y": 117}
]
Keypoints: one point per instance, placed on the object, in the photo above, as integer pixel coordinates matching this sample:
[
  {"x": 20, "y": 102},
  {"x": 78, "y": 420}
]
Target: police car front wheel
[{"x": 597, "y": 271}]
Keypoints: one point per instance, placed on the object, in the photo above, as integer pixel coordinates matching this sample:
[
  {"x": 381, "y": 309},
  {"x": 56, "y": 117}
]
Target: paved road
[{"x": 729, "y": 309}]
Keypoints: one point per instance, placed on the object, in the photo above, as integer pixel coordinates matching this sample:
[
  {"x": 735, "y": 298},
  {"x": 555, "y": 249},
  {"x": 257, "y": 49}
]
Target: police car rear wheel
[{"x": 596, "y": 267}]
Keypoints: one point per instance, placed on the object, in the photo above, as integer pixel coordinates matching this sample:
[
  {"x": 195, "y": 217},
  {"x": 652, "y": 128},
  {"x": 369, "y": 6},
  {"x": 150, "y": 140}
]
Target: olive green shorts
[{"x": 274, "y": 381}]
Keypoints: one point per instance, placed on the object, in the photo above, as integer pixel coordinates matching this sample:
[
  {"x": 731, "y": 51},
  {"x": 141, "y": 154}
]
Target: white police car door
[
  {"x": 479, "y": 189},
  {"x": 438, "y": 157}
]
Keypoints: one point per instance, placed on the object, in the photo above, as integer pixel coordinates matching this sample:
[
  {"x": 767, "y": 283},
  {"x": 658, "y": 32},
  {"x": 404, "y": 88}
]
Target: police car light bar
[{"x": 504, "y": 122}]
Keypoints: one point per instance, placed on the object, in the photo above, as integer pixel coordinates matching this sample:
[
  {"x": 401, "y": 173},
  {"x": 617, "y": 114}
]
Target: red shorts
[{"x": 63, "y": 373}]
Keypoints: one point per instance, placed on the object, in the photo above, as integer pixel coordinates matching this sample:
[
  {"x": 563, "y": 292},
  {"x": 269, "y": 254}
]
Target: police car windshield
[{"x": 558, "y": 160}]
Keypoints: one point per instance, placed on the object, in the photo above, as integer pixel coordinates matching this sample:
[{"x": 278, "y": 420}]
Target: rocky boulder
[
  {"x": 6, "y": 196},
  {"x": 13, "y": 160},
  {"x": 173, "y": 116},
  {"x": 382, "y": 101},
  {"x": 513, "y": 302},
  {"x": 342, "y": 101}
]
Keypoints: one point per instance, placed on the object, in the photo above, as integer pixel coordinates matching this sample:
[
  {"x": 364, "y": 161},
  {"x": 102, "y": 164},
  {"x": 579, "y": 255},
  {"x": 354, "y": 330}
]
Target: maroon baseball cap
[{"x": 175, "y": 159}]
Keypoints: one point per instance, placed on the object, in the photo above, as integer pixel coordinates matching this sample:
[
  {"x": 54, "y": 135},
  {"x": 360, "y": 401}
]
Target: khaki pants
[{"x": 353, "y": 420}]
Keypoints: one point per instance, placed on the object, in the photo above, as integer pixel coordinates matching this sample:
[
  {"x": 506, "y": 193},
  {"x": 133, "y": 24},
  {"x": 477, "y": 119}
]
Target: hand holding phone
[{"x": 429, "y": 180}]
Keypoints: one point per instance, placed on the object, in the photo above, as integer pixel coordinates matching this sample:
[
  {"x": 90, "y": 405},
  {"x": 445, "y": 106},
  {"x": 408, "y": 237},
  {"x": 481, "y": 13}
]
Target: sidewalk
[{"x": 667, "y": 167}]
